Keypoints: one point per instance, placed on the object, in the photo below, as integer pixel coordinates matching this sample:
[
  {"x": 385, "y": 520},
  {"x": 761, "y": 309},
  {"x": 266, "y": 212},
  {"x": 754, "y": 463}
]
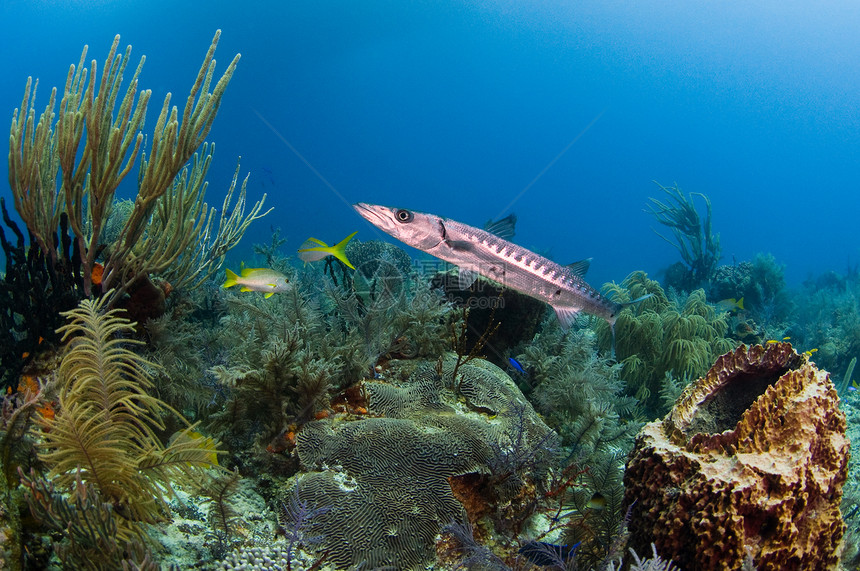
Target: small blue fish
[{"x": 516, "y": 365}]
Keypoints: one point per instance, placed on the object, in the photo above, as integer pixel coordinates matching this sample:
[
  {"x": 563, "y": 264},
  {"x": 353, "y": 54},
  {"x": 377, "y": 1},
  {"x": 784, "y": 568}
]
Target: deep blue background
[{"x": 457, "y": 107}]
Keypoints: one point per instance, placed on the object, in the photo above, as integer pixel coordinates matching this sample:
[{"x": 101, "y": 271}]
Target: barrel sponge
[
  {"x": 386, "y": 478},
  {"x": 750, "y": 462}
]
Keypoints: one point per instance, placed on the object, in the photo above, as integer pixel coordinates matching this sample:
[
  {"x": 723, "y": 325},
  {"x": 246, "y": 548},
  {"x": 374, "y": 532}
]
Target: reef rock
[
  {"x": 750, "y": 462},
  {"x": 383, "y": 479}
]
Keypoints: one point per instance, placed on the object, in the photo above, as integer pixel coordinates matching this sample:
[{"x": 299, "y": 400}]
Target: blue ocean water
[{"x": 563, "y": 112}]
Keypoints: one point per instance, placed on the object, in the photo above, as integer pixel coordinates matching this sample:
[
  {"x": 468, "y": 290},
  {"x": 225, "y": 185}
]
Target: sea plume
[{"x": 105, "y": 431}]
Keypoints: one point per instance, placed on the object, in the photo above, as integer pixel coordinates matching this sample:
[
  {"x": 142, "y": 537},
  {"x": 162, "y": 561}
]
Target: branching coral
[
  {"x": 693, "y": 237},
  {"x": 304, "y": 345},
  {"x": 32, "y": 292},
  {"x": 74, "y": 165},
  {"x": 89, "y": 525},
  {"x": 184, "y": 345},
  {"x": 408, "y": 321},
  {"x": 295, "y": 518},
  {"x": 282, "y": 383},
  {"x": 223, "y": 517},
  {"x": 279, "y": 372},
  {"x": 579, "y": 393}
]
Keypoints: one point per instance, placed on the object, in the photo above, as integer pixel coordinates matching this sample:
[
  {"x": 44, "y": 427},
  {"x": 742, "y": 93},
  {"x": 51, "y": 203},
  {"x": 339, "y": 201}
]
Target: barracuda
[{"x": 477, "y": 251}]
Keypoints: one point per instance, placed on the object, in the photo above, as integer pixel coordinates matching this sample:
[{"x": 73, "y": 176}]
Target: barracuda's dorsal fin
[
  {"x": 503, "y": 228},
  {"x": 566, "y": 316},
  {"x": 579, "y": 268}
]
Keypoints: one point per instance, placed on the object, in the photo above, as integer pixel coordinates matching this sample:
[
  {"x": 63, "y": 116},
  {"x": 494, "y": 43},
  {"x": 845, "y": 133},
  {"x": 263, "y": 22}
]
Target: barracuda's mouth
[{"x": 377, "y": 215}]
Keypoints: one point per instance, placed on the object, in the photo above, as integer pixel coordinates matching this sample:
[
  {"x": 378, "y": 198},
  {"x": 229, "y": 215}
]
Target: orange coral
[
  {"x": 751, "y": 459},
  {"x": 97, "y": 273},
  {"x": 28, "y": 386}
]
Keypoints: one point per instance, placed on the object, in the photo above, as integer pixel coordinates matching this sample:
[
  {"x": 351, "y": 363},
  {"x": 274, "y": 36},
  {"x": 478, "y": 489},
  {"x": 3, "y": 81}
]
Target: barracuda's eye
[{"x": 403, "y": 215}]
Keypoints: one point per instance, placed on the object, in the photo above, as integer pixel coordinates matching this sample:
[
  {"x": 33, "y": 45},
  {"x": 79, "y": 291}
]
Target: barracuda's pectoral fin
[
  {"x": 466, "y": 277},
  {"x": 566, "y": 316},
  {"x": 459, "y": 245}
]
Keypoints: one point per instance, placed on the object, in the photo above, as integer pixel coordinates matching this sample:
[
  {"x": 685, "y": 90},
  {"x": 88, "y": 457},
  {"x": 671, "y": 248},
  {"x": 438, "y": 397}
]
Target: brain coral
[
  {"x": 385, "y": 476},
  {"x": 751, "y": 459}
]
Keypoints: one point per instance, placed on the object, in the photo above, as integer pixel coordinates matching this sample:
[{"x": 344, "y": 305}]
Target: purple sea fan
[{"x": 295, "y": 518}]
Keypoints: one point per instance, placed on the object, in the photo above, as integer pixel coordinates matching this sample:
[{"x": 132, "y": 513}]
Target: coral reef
[
  {"x": 369, "y": 256},
  {"x": 849, "y": 403},
  {"x": 192, "y": 538},
  {"x": 269, "y": 558},
  {"x": 828, "y": 319},
  {"x": 89, "y": 526},
  {"x": 580, "y": 395},
  {"x": 17, "y": 452},
  {"x": 761, "y": 284},
  {"x": 387, "y": 475},
  {"x": 285, "y": 357},
  {"x": 750, "y": 461}
]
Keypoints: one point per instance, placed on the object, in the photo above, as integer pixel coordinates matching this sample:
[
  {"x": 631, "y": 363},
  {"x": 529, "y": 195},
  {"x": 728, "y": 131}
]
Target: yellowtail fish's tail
[
  {"x": 232, "y": 279},
  {"x": 339, "y": 250},
  {"x": 310, "y": 253}
]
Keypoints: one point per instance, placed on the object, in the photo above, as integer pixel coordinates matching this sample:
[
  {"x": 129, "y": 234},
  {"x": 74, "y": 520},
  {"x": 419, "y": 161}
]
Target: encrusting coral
[{"x": 749, "y": 463}]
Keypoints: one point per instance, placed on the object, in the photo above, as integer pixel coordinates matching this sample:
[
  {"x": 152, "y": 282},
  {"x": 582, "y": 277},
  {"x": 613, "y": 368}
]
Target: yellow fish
[
  {"x": 597, "y": 502},
  {"x": 314, "y": 250},
  {"x": 731, "y": 304},
  {"x": 258, "y": 279},
  {"x": 190, "y": 438}
]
